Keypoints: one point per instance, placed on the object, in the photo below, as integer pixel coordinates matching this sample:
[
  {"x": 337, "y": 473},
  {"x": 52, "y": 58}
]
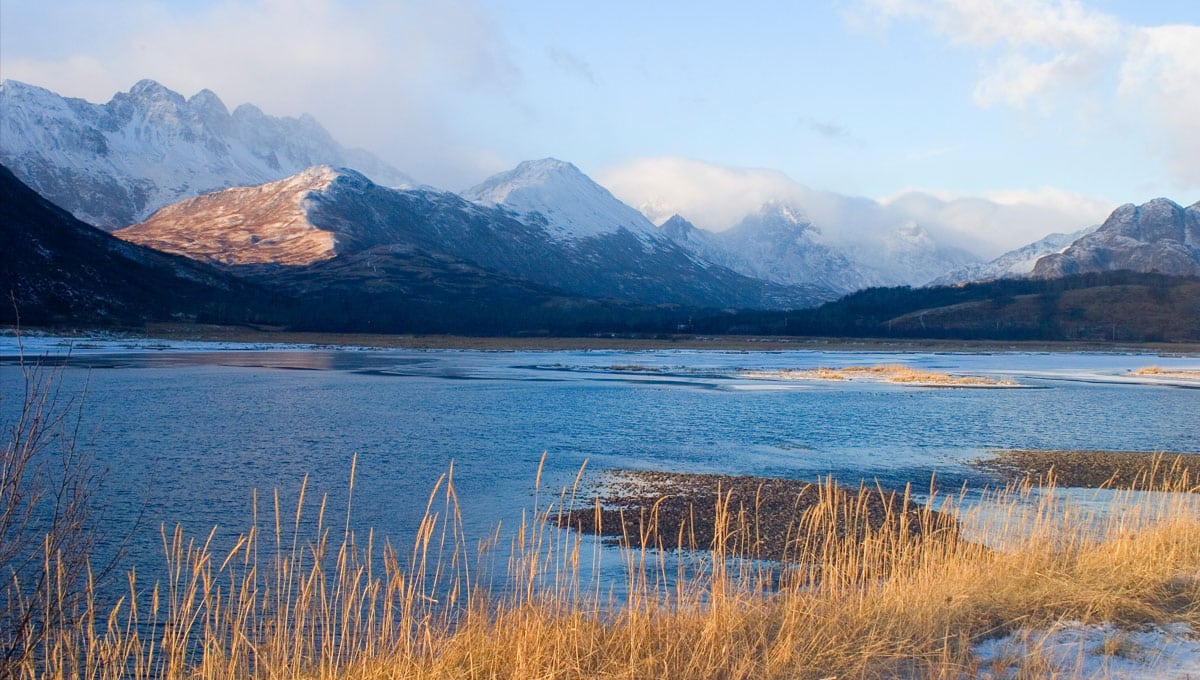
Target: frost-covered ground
[
  {"x": 1075, "y": 650},
  {"x": 37, "y": 345},
  {"x": 728, "y": 366}
]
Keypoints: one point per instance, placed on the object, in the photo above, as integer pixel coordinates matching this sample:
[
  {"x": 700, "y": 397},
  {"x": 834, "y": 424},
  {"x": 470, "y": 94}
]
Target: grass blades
[{"x": 863, "y": 598}]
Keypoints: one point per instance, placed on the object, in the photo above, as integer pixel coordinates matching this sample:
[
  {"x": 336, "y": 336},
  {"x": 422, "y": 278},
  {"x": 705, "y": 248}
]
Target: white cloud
[
  {"x": 1001, "y": 220},
  {"x": 1161, "y": 78},
  {"x": 717, "y": 197},
  {"x": 1064, "y": 54},
  {"x": 1032, "y": 48},
  {"x": 378, "y": 73},
  {"x": 713, "y": 197}
]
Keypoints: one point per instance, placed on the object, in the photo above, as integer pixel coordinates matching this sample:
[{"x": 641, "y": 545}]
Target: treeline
[
  {"x": 564, "y": 317},
  {"x": 1117, "y": 306},
  {"x": 1113, "y": 306}
]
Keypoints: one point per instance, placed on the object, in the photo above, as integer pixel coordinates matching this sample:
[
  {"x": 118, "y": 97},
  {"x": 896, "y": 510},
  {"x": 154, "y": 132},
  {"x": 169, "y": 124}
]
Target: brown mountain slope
[{"x": 244, "y": 225}]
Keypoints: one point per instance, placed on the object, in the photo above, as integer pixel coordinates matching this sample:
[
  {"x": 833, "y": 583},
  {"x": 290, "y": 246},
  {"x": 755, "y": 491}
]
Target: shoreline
[{"x": 211, "y": 333}]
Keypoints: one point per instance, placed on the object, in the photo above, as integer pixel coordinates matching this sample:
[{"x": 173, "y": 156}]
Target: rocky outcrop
[{"x": 1159, "y": 236}]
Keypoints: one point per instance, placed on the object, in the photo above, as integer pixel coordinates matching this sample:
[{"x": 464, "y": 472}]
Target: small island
[
  {"x": 1174, "y": 374},
  {"x": 888, "y": 373}
]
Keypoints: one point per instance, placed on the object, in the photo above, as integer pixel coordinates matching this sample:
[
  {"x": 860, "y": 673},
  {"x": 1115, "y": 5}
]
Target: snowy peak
[
  {"x": 910, "y": 255},
  {"x": 114, "y": 164},
  {"x": 776, "y": 220},
  {"x": 680, "y": 230},
  {"x": 17, "y": 91},
  {"x": 527, "y": 175},
  {"x": 151, "y": 90},
  {"x": 208, "y": 105},
  {"x": 557, "y": 196},
  {"x": 914, "y": 236}
]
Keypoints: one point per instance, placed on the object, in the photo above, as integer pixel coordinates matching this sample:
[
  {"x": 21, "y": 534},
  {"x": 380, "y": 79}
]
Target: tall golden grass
[{"x": 866, "y": 603}]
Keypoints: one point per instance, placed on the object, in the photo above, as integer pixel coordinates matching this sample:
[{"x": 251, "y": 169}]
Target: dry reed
[
  {"x": 889, "y": 373},
  {"x": 875, "y": 601},
  {"x": 1157, "y": 372}
]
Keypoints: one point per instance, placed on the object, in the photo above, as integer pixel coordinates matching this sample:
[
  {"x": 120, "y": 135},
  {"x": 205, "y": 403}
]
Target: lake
[{"x": 187, "y": 432}]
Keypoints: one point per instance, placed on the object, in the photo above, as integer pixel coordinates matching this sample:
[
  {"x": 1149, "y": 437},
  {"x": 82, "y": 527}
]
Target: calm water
[{"x": 188, "y": 432}]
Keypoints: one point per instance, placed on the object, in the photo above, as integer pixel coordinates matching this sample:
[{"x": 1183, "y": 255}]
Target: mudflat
[
  {"x": 1096, "y": 469},
  {"x": 763, "y": 518}
]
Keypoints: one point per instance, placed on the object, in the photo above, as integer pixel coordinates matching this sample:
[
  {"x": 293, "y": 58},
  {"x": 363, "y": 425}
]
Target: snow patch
[{"x": 1077, "y": 650}]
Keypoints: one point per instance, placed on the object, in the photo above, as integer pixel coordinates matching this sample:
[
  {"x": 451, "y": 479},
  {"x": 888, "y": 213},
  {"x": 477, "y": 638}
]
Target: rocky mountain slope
[
  {"x": 114, "y": 164},
  {"x": 1159, "y": 236},
  {"x": 59, "y": 270},
  {"x": 326, "y": 214}
]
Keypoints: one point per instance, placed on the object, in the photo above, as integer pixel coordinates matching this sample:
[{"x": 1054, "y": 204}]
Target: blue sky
[{"x": 1076, "y": 104}]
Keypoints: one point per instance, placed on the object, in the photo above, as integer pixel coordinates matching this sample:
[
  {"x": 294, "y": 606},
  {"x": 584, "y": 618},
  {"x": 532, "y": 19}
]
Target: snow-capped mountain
[
  {"x": 776, "y": 244},
  {"x": 1158, "y": 236},
  {"x": 908, "y": 256},
  {"x": 327, "y": 215},
  {"x": 1015, "y": 263},
  {"x": 114, "y": 164},
  {"x": 562, "y": 199},
  {"x": 780, "y": 244}
]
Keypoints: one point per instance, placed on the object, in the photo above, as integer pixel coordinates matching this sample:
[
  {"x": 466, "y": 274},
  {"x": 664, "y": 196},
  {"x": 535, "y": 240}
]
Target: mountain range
[
  {"x": 605, "y": 250},
  {"x": 114, "y": 164},
  {"x": 274, "y": 202},
  {"x": 58, "y": 271}
]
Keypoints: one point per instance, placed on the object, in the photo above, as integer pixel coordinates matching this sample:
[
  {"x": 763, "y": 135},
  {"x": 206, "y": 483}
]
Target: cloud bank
[
  {"x": 716, "y": 197},
  {"x": 1062, "y": 54}
]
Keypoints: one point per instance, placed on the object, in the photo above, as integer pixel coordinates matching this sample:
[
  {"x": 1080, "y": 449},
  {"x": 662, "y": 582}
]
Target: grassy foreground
[{"x": 870, "y": 599}]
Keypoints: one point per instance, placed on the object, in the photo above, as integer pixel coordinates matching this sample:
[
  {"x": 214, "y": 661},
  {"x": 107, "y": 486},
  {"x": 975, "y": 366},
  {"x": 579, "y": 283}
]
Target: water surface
[{"x": 189, "y": 432}]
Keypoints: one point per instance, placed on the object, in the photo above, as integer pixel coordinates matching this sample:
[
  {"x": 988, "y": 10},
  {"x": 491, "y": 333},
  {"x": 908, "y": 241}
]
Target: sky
[{"x": 1067, "y": 107}]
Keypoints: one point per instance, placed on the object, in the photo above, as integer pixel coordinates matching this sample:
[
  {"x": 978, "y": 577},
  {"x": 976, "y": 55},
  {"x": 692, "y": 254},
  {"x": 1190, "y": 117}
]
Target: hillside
[
  {"x": 55, "y": 269},
  {"x": 1112, "y": 306}
]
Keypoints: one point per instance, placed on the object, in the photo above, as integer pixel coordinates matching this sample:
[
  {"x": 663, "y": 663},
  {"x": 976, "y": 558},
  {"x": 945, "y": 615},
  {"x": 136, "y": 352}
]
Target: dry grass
[
  {"x": 1156, "y": 372},
  {"x": 875, "y": 601},
  {"x": 889, "y": 373}
]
